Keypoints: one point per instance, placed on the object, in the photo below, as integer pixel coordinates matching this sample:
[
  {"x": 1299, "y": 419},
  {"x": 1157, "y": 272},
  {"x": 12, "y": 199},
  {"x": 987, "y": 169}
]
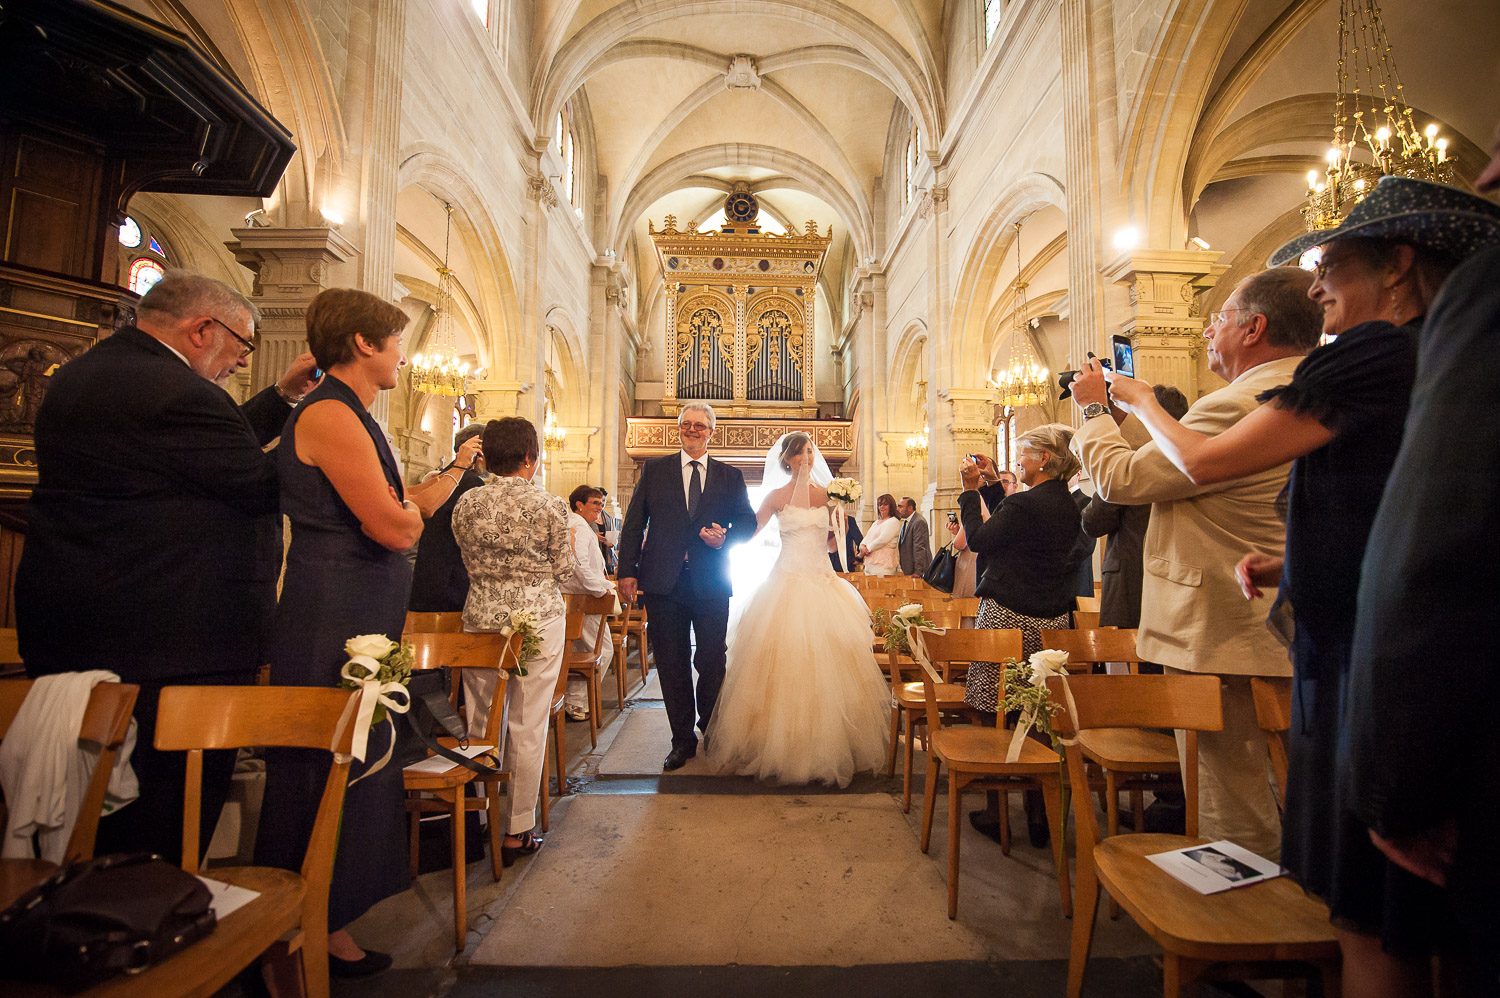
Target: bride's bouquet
[{"x": 844, "y": 490}]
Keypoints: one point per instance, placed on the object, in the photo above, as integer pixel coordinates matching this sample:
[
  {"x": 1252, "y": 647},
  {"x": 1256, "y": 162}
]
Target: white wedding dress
[{"x": 803, "y": 699}]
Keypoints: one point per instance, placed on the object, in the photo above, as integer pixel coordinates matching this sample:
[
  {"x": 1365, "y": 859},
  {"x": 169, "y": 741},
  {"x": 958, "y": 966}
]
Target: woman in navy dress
[
  {"x": 346, "y": 575},
  {"x": 1341, "y": 421}
]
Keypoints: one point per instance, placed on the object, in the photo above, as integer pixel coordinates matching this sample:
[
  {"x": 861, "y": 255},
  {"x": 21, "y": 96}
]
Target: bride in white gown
[{"x": 803, "y": 698}]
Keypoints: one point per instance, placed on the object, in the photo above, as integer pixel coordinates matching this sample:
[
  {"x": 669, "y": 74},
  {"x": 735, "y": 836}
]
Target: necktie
[{"x": 695, "y": 490}]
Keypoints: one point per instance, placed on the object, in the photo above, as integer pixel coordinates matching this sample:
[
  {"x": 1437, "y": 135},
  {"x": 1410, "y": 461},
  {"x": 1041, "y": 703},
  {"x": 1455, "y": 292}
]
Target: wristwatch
[{"x": 1095, "y": 409}]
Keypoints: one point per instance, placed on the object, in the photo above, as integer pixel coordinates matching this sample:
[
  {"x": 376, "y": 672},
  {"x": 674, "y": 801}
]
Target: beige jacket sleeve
[{"x": 1127, "y": 466}]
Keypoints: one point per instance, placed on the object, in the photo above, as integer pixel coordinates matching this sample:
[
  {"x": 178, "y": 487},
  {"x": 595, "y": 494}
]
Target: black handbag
[
  {"x": 430, "y": 716},
  {"x": 105, "y": 916},
  {"x": 940, "y": 573}
]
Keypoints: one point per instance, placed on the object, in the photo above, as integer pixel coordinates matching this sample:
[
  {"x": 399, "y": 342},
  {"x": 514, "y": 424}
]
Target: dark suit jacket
[
  {"x": 853, "y": 538},
  {"x": 439, "y": 581},
  {"x": 154, "y": 538},
  {"x": 660, "y": 504},
  {"x": 1026, "y": 544},
  {"x": 1125, "y": 526},
  {"x": 1083, "y": 550}
]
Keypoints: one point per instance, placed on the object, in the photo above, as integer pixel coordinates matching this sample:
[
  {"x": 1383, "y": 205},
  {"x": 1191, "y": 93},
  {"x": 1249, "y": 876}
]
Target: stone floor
[{"x": 654, "y": 884}]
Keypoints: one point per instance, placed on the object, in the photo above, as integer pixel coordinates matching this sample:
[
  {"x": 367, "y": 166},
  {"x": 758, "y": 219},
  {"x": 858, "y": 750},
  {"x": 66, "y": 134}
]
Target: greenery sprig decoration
[{"x": 892, "y": 625}]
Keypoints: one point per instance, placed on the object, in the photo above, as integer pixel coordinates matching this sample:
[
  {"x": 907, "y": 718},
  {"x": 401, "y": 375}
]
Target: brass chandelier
[
  {"x": 440, "y": 371},
  {"x": 1390, "y": 135},
  {"x": 1023, "y": 381},
  {"x": 916, "y": 446}
]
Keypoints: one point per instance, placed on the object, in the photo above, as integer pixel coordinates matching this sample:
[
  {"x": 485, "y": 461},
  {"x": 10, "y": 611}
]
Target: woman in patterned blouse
[{"x": 515, "y": 544}]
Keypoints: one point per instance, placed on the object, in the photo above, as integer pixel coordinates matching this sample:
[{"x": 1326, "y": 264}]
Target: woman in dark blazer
[{"x": 1029, "y": 575}]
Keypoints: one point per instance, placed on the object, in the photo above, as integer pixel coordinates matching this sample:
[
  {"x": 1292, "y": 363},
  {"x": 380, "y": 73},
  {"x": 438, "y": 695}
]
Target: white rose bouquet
[
  {"x": 844, "y": 490},
  {"x": 524, "y": 623},
  {"x": 1026, "y": 691},
  {"x": 893, "y": 625},
  {"x": 380, "y": 669}
]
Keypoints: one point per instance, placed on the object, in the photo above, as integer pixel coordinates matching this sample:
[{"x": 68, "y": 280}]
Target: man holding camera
[{"x": 1193, "y": 616}]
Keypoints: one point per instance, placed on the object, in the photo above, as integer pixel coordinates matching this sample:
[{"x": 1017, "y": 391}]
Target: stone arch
[
  {"x": 500, "y": 313},
  {"x": 966, "y": 364},
  {"x": 800, "y": 174},
  {"x": 569, "y": 373},
  {"x": 908, "y": 367}
]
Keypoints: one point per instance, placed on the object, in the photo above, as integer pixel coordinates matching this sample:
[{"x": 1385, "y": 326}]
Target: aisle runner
[{"x": 687, "y": 880}]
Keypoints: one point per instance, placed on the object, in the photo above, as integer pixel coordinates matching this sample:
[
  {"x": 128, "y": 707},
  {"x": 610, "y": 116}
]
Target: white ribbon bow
[
  {"x": 838, "y": 536},
  {"x": 372, "y": 693}
]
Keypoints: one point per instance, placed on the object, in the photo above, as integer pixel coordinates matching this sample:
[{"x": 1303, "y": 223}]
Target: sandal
[{"x": 530, "y": 843}]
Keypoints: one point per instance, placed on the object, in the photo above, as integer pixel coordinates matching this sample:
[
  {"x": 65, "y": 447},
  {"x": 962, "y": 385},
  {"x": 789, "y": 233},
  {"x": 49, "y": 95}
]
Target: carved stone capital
[{"x": 540, "y": 190}]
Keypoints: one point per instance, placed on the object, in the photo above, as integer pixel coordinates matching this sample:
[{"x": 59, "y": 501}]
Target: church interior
[{"x": 887, "y": 224}]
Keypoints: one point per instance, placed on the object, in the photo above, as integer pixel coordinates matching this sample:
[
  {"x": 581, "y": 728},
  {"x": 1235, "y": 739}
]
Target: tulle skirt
[{"x": 803, "y": 699}]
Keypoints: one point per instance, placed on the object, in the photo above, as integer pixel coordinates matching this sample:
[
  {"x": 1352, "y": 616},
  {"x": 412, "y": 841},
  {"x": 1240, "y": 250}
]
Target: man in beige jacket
[{"x": 1194, "y": 619}]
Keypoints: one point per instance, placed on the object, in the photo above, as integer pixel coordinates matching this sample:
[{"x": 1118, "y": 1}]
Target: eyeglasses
[
  {"x": 595, "y": 502},
  {"x": 1324, "y": 265},
  {"x": 249, "y": 346},
  {"x": 694, "y": 427},
  {"x": 1218, "y": 315}
]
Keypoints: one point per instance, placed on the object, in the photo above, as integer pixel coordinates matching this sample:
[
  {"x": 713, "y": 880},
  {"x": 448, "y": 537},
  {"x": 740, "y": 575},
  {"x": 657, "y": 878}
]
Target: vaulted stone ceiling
[{"x": 803, "y": 117}]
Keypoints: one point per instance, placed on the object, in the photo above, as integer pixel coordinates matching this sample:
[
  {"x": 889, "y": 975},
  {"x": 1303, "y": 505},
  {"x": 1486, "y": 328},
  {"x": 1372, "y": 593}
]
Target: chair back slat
[
  {"x": 428, "y": 622},
  {"x": 193, "y": 718},
  {"x": 1192, "y": 703},
  {"x": 1090, "y": 603},
  {"x": 967, "y": 606},
  {"x": 1085, "y": 619},
  {"x": 12, "y": 695},
  {"x": 1273, "y": 715},
  {"x": 973, "y": 644},
  {"x": 1094, "y": 645},
  {"x": 486, "y": 651}
]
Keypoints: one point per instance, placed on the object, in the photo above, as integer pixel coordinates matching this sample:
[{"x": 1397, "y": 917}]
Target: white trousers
[
  {"x": 578, "y": 688},
  {"x": 523, "y": 726}
]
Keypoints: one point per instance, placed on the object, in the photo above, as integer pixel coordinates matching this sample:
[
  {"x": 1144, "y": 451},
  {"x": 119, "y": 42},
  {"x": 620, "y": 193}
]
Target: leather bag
[
  {"x": 431, "y": 716},
  {"x": 940, "y": 573},
  {"x": 105, "y": 916}
]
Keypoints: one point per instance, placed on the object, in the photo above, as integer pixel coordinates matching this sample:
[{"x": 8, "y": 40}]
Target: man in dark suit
[
  {"x": 154, "y": 535},
  {"x": 914, "y": 546},
  {"x": 439, "y": 581},
  {"x": 695, "y": 508}
]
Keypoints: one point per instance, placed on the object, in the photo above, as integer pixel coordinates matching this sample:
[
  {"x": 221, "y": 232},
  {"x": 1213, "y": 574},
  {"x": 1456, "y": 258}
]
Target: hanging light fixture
[
  {"x": 440, "y": 371},
  {"x": 1023, "y": 381},
  {"x": 1390, "y": 136},
  {"x": 553, "y": 435},
  {"x": 916, "y": 446}
]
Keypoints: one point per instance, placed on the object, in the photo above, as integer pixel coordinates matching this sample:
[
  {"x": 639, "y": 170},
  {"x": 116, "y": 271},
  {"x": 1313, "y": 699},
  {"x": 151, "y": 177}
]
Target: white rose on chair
[
  {"x": 845, "y": 490},
  {"x": 910, "y": 611},
  {"x": 376, "y": 646},
  {"x": 1048, "y": 662},
  {"x": 524, "y": 623}
]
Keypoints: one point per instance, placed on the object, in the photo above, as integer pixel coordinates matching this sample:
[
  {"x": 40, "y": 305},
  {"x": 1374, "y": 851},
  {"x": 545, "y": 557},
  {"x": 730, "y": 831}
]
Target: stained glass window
[
  {"x": 155, "y": 247},
  {"x": 144, "y": 273},
  {"x": 130, "y": 233},
  {"x": 992, "y": 11}
]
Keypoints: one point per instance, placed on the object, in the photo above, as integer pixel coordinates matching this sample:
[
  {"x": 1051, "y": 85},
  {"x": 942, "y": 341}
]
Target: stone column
[
  {"x": 1166, "y": 320},
  {"x": 496, "y": 399},
  {"x": 943, "y": 447},
  {"x": 607, "y": 382},
  {"x": 903, "y": 475},
  {"x": 1085, "y": 301},
  {"x": 531, "y": 352},
  {"x": 970, "y": 415},
  {"x": 375, "y": 66},
  {"x": 291, "y": 266}
]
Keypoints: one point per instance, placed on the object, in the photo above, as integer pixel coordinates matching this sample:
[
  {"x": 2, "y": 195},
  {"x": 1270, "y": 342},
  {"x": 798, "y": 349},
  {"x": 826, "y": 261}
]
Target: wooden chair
[
  {"x": 975, "y": 757},
  {"x": 1246, "y": 932},
  {"x": 559, "y": 727},
  {"x": 10, "y": 652},
  {"x": 290, "y": 918},
  {"x": 587, "y": 663},
  {"x": 446, "y": 792},
  {"x": 632, "y": 624},
  {"x": 909, "y": 703},
  {"x": 1089, "y": 603},
  {"x": 1273, "y": 715},
  {"x": 941, "y": 616},
  {"x": 106, "y": 720},
  {"x": 1131, "y": 759},
  {"x": 967, "y": 606},
  {"x": 1085, "y": 620},
  {"x": 425, "y": 622}
]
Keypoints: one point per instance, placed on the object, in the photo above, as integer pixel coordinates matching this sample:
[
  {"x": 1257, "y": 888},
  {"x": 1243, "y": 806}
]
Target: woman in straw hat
[{"x": 1341, "y": 420}]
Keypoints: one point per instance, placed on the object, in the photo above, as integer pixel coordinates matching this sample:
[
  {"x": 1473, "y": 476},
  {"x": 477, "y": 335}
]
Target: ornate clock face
[{"x": 741, "y": 207}]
